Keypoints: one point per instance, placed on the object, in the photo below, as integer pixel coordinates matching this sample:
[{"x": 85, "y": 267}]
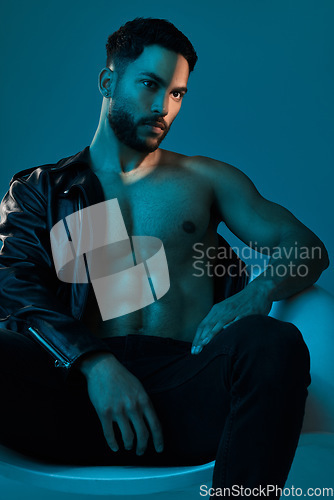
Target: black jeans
[{"x": 240, "y": 401}]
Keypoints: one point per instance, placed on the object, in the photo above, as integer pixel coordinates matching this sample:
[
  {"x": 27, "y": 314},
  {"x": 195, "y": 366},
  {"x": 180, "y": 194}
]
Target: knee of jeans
[{"x": 280, "y": 340}]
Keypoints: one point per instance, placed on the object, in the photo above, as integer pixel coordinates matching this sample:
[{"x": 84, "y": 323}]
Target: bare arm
[
  {"x": 297, "y": 255},
  {"x": 267, "y": 225}
]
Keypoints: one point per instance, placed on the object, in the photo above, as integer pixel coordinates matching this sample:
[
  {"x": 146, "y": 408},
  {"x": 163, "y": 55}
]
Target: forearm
[
  {"x": 95, "y": 360},
  {"x": 295, "y": 264}
]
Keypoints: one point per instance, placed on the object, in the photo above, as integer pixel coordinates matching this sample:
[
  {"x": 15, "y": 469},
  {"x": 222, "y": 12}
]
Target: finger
[
  {"x": 209, "y": 319},
  {"x": 210, "y": 333},
  {"x": 126, "y": 431},
  {"x": 204, "y": 334},
  {"x": 198, "y": 334},
  {"x": 141, "y": 431},
  {"x": 109, "y": 435},
  {"x": 233, "y": 321},
  {"x": 215, "y": 330},
  {"x": 155, "y": 428},
  {"x": 210, "y": 330},
  {"x": 220, "y": 325},
  {"x": 202, "y": 331}
]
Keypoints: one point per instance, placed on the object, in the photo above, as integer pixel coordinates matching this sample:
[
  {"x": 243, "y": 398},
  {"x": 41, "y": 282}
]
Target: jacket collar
[
  {"x": 83, "y": 157},
  {"x": 84, "y": 178}
]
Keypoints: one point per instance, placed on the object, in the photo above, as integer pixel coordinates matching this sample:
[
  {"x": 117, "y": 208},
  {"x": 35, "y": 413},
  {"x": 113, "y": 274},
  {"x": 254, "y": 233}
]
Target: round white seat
[
  {"x": 101, "y": 480},
  {"x": 313, "y": 467}
]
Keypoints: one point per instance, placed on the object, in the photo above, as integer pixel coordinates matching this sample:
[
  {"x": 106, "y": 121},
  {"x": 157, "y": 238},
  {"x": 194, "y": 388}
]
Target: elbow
[
  {"x": 325, "y": 258},
  {"x": 323, "y": 254},
  {"x": 318, "y": 253}
]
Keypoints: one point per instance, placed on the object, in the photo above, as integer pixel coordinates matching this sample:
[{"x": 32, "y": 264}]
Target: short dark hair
[{"x": 128, "y": 42}]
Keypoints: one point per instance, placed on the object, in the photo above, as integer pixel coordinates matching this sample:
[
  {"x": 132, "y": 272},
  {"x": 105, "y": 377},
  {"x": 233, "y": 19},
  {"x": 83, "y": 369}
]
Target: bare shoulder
[
  {"x": 171, "y": 158},
  {"x": 203, "y": 164},
  {"x": 221, "y": 175},
  {"x": 216, "y": 170}
]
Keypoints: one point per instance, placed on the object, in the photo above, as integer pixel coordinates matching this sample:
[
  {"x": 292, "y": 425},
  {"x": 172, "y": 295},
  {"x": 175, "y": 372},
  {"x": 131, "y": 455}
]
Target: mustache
[{"x": 155, "y": 122}]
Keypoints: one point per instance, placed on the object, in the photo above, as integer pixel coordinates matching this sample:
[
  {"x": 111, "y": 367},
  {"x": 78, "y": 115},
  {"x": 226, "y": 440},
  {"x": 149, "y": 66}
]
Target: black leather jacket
[{"x": 33, "y": 301}]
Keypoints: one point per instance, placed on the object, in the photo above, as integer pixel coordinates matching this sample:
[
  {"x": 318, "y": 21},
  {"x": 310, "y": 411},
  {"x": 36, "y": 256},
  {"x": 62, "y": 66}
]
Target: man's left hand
[{"x": 251, "y": 300}]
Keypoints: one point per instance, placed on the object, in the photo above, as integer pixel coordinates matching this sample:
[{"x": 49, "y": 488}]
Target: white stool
[
  {"x": 313, "y": 313},
  {"x": 22, "y": 476}
]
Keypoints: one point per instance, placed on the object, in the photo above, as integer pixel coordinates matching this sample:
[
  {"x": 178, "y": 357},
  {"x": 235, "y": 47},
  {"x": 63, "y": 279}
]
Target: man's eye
[
  {"x": 149, "y": 84},
  {"x": 177, "y": 95}
]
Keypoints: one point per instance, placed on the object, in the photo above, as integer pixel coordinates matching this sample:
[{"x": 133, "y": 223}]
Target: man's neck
[{"x": 107, "y": 154}]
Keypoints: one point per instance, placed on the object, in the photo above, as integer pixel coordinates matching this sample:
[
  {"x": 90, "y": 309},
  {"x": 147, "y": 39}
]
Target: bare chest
[{"x": 171, "y": 205}]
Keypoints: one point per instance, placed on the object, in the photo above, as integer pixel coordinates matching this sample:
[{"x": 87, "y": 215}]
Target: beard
[{"x": 125, "y": 129}]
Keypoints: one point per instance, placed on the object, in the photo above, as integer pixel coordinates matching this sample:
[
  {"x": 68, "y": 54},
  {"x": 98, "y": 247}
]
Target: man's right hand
[{"x": 118, "y": 396}]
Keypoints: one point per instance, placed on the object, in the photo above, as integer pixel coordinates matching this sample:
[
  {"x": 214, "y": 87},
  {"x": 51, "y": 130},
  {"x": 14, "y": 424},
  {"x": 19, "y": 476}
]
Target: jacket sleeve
[{"x": 28, "y": 281}]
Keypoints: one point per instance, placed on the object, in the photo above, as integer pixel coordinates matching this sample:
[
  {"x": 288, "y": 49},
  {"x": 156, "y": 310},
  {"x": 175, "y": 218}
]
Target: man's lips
[{"x": 155, "y": 125}]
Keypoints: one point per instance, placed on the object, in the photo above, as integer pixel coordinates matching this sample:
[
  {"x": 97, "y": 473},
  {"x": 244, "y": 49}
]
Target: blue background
[{"x": 261, "y": 96}]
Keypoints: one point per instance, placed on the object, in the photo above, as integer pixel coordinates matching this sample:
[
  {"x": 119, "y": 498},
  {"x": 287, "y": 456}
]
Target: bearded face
[
  {"x": 147, "y": 97},
  {"x": 143, "y": 134}
]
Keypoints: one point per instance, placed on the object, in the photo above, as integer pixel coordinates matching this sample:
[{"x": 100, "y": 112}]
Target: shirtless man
[{"x": 181, "y": 200}]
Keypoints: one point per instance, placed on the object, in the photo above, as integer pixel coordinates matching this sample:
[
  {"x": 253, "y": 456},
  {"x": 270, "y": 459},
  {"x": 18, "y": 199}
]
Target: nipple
[{"x": 188, "y": 226}]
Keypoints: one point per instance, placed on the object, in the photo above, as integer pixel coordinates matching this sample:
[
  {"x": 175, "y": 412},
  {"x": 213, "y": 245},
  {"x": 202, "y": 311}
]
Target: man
[{"x": 190, "y": 377}]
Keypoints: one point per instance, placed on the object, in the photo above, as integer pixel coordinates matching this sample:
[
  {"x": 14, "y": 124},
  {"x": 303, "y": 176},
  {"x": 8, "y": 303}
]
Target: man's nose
[{"x": 160, "y": 104}]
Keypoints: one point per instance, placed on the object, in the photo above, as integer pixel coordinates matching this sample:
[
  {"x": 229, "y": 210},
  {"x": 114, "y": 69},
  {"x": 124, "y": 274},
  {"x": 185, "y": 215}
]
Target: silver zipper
[
  {"x": 80, "y": 207},
  {"x": 60, "y": 361}
]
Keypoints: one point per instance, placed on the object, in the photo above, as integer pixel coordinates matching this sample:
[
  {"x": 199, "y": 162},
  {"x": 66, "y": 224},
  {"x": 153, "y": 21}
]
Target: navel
[{"x": 188, "y": 226}]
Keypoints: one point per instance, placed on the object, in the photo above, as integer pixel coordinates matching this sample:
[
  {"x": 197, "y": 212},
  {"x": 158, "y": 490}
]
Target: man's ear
[{"x": 107, "y": 82}]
